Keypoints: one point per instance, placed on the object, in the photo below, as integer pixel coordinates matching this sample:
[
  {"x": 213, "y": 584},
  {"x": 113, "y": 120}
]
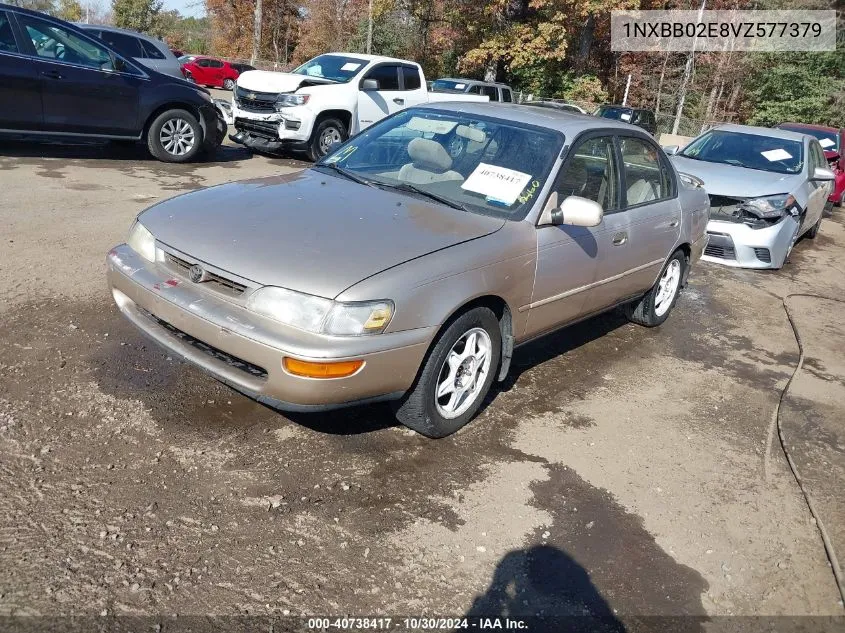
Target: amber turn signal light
[{"x": 339, "y": 369}]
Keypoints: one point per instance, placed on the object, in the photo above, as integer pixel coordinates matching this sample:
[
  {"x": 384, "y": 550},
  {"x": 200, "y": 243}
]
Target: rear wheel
[
  {"x": 229, "y": 84},
  {"x": 325, "y": 134},
  {"x": 456, "y": 376},
  {"x": 175, "y": 136},
  {"x": 654, "y": 308}
]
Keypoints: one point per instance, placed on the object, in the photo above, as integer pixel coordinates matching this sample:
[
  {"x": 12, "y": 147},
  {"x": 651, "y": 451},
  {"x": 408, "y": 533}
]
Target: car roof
[
  {"x": 770, "y": 132},
  {"x": 370, "y": 58},
  {"x": 570, "y": 123},
  {"x": 114, "y": 29},
  {"x": 809, "y": 126},
  {"x": 624, "y": 107}
]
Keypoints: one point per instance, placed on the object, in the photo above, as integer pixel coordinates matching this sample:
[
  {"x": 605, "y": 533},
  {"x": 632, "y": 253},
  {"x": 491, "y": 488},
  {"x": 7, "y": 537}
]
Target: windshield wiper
[
  {"x": 406, "y": 186},
  {"x": 348, "y": 174}
]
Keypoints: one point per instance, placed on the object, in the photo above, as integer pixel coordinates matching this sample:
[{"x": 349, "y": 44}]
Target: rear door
[
  {"x": 215, "y": 71},
  {"x": 20, "y": 95},
  {"x": 639, "y": 237},
  {"x": 374, "y": 105},
  {"x": 81, "y": 92}
]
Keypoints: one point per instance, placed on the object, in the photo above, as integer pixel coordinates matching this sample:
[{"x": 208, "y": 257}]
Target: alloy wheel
[
  {"x": 463, "y": 374},
  {"x": 667, "y": 287},
  {"x": 177, "y": 136}
]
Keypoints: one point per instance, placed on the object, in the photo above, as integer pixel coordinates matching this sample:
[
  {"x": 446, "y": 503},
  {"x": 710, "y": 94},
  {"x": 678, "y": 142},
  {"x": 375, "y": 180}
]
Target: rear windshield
[
  {"x": 449, "y": 85},
  {"x": 752, "y": 151}
]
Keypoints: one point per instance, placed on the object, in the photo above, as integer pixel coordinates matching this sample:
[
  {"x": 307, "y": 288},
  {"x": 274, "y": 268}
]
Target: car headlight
[
  {"x": 772, "y": 206},
  {"x": 319, "y": 315},
  {"x": 142, "y": 241},
  {"x": 288, "y": 100}
]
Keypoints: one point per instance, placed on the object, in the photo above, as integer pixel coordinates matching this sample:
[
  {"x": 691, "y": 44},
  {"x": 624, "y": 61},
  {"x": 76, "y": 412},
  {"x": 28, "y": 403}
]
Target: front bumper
[
  {"x": 736, "y": 244},
  {"x": 290, "y": 125},
  {"x": 245, "y": 350}
]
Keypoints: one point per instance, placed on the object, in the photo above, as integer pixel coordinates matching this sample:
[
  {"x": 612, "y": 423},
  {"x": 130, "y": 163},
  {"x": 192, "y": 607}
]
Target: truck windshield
[
  {"x": 337, "y": 68},
  {"x": 449, "y": 85},
  {"x": 476, "y": 163}
]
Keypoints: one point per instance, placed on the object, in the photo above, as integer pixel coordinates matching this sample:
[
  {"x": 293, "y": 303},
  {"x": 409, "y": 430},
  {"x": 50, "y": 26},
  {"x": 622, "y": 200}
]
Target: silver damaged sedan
[
  {"x": 767, "y": 189},
  {"x": 410, "y": 262}
]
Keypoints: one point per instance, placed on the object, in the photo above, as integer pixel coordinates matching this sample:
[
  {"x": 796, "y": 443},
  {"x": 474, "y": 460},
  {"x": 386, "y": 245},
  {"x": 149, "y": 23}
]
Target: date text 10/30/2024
[{"x": 415, "y": 624}]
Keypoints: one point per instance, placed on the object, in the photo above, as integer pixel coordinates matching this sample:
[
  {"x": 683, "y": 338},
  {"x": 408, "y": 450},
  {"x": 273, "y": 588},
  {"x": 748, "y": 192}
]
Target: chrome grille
[
  {"x": 217, "y": 282},
  {"x": 253, "y": 101}
]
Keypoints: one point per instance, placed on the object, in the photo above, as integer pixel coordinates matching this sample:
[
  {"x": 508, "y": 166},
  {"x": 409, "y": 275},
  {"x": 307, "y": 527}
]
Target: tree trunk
[
  {"x": 256, "y": 33},
  {"x": 660, "y": 83},
  {"x": 682, "y": 95},
  {"x": 585, "y": 44}
]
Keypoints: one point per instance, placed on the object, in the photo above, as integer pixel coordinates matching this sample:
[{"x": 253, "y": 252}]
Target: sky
[{"x": 195, "y": 8}]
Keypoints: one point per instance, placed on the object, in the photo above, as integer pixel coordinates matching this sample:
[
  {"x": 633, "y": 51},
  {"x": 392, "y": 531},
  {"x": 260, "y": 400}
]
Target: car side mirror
[
  {"x": 577, "y": 211},
  {"x": 369, "y": 85},
  {"x": 822, "y": 173},
  {"x": 671, "y": 150}
]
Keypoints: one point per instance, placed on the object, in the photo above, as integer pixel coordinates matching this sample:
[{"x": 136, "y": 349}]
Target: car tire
[
  {"x": 325, "y": 130},
  {"x": 426, "y": 413},
  {"x": 180, "y": 124},
  {"x": 812, "y": 232},
  {"x": 228, "y": 84},
  {"x": 654, "y": 307},
  {"x": 842, "y": 200}
]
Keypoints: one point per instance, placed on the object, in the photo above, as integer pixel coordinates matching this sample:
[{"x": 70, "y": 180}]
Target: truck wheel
[
  {"x": 175, "y": 136},
  {"x": 325, "y": 133}
]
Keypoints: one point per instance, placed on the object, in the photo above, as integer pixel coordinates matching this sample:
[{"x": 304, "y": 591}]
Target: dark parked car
[
  {"x": 59, "y": 80},
  {"x": 636, "y": 116}
]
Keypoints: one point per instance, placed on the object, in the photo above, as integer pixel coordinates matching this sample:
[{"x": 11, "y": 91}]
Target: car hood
[
  {"x": 737, "y": 182},
  {"x": 267, "y": 81},
  {"x": 309, "y": 231}
]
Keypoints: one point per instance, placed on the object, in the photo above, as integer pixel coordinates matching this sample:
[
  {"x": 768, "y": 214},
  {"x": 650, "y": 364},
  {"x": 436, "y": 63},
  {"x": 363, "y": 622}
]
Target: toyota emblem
[{"x": 196, "y": 273}]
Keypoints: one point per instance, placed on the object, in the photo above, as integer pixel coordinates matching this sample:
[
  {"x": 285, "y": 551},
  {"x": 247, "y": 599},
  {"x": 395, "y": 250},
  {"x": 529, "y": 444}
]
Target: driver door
[
  {"x": 80, "y": 93},
  {"x": 374, "y": 105}
]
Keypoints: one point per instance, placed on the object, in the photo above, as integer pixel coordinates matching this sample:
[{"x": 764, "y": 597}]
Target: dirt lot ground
[{"x": 619, "y": 472}]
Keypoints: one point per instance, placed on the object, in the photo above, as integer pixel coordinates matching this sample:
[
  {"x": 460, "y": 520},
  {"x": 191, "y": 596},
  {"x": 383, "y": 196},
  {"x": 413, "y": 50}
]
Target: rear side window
[
  {"x": 150, "y": 50},
  {"x": 126, "y": 45},
  {"x": 215, "y": 63},
  {"x": 506, "y": 95},
  {"x": 490, "y": 91},
  {"x": 387, "y": 77},
  {"x": 7, "y": 37},
  {"x": 646, "y": 177},
  {"x": 411, "y": 77}
]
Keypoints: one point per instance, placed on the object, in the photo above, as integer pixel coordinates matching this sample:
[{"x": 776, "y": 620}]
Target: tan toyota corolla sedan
[{"x": 409, "y": 263}]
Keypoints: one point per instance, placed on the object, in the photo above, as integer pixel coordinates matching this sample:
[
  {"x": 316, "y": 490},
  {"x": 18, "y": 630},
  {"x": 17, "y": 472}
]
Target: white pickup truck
[{"x": 326, "y": 100}]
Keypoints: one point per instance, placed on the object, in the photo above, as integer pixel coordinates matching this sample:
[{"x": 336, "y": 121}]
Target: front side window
[
  {"x": 646, "y": 178},
  {"x": 53, "y": 42},
  {"x": 590, "y": 173},
  {"x": 752, "y": 151},
  {"x": 387, "y": 77},
  {"x": 818, "y": 156},
  {"x": 474, "y": 163},
  {"x": 338, "y": 68}
]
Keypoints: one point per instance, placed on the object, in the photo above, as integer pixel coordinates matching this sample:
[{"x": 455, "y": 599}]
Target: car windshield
[
  {"x": 752, "y": 151},
  {"x": 828, "y": 139},
  {"x": 478, "y": 164},
  {"x": 187, "y": 58},
  {"x": 335, "y": 67},
  {"x": 449, "y": 85},
  {"x": 613, "y": 112}
]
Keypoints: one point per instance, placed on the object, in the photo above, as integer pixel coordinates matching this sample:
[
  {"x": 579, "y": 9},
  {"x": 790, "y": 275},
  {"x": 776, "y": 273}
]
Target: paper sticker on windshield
[
  {"x": 435, "y": 126},
  {"x": 350, "y": 67},
  {"x": 343, "y": 154},
  {"x": 497, "y": 184},
  {"x": 776, "y": 154},
  {"x": 625, "y": 116},
  {"x": 826, "y": 142},
  {"x": 460, "y": 86}
]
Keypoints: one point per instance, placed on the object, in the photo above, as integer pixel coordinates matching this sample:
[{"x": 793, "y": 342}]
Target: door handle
[
  {"x": 52, "y": 74},
  {"x": 620, "y": 238},
  {"x": 399, "y": 101},
  {"x": 673, "y": 224}
]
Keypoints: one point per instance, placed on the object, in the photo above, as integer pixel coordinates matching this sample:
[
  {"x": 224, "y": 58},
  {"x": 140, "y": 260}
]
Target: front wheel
[
  {"x": 456, "y": 376},
  {"x": 326, "y": 133},
  {"x": 811, "y": 234},
  {"x": 175, "y": 136},
  {"x": 228, "y": 84},
  {"x": 654, "y": 308}
]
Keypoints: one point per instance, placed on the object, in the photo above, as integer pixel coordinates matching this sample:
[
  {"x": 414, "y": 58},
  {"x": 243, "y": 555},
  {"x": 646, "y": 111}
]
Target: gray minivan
[{"x": 144, "y": 49}]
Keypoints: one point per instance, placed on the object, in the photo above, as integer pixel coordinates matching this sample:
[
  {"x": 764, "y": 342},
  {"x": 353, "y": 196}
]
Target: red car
[
  {"x": 209, "y": 71},
  {"x": 832, "y": 141}
]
